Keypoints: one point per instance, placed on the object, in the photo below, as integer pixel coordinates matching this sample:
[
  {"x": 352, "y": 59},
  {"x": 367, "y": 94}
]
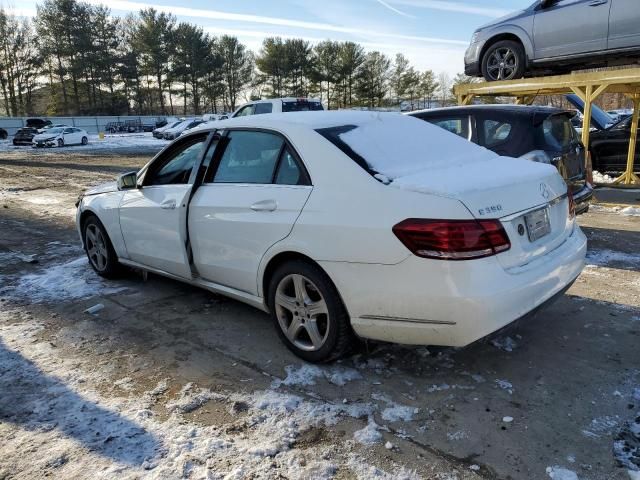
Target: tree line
[{"x": 76, "y": 58}]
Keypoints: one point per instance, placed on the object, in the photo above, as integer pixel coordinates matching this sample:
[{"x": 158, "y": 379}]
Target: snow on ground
[
  {"x": 602, "y": 178},
  {"x": 63, "y": 426},
  {"x": 130, "y": 141},
  {"x": 44, "y": 202},
  {"x": 626, "y": 211},
  {"x": 306, "y": 375},
  {"x": 607, "y": 258},
  {"x": 72, "y": 280},
  {"x": 559, "y": 473}
]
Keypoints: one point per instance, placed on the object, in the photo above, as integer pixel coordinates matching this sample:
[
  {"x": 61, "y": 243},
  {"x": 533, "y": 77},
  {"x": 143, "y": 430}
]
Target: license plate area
[{"x": 538, "y": 224}]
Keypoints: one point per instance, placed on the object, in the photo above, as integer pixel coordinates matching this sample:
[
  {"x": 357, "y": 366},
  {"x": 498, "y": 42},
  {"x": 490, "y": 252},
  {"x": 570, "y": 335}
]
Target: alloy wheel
[
  {"x": 96, "y": 247},
  {"x": 502, "y": 64},
  {"x": 302, "y": 312}
]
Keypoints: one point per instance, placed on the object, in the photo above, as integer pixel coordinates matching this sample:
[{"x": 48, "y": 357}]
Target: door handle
[
  {"x": 168, "y": 205},
  {"x": 595, "y": 3},
  {"x": 265, "y": 206}
]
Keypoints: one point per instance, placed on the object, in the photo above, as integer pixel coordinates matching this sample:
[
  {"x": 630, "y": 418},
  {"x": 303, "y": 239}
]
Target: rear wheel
[
  {"x": 102, "y": 256},
  {"x": 3, "y": 134},
  {"x": 504, "y": 60},
  {"x": 308, "y": 312}
]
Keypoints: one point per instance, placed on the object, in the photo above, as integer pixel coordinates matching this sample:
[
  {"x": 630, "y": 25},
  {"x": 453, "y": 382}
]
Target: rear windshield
[
  {"x": 556, "y": 132},
  {"x": 301, "y": 106}
]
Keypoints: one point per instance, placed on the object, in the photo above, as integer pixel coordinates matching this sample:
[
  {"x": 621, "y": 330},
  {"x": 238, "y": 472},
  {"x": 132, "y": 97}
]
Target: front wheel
[
  {"x": 102, "y": 256},
  {"x": 60, "y": 142},
  {"x": 85, "y": 140},
  {"x": 504, "y": 60},
  {"x": 308, "y": 312}
]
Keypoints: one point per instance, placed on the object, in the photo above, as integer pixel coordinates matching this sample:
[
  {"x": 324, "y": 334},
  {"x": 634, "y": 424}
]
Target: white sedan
[
  {"x": 60, "y": 137},
  {"x": 342, "y": 223}
]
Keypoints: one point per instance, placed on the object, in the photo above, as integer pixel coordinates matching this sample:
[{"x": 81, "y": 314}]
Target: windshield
[
  {"x": 301, "y": 106},
  {"x": 55, "y": 130}
]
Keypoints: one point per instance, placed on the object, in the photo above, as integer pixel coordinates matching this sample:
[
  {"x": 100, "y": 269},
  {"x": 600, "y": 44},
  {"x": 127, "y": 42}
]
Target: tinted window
[
  {"x": 289, "y": 172},
  {"x": 263, "y": 108},
  {"x": 459, "y": 126},
  {"x": 301, "y": 106},
  {"x": 495, "y": 132},
  {"x": 558, "y": 132},
  {"x": 175, "y": 167},
  {"x": 249, "y": 157}
]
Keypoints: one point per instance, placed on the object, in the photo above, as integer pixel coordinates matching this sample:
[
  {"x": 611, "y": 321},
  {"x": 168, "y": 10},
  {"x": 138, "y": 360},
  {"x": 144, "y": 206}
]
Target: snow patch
[
  {"x": 191, "y": 398},
  {"x": 559, "y": 473},
  {"x": 368, "y": 435},
  {"x": 505, "y": 385},
  {"x": 606, "y": 258},
  {"x": 306, "y": 375},
  {"x": 507, "y": 344}
]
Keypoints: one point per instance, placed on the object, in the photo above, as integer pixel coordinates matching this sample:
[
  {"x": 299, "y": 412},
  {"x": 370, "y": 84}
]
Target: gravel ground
[{"x": 167, "y": 381}]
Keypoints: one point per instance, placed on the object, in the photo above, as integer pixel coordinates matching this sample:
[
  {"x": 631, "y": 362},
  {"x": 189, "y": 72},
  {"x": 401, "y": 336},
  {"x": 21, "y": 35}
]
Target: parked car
[
  {"x": 37, "y": 123},
  {"x": 159, "y": 132},
  {"x": 278, "y": 105},
  {"x": 3, "y": 134},
  {"x": 175, "y": 132},
  {"x": 608, "y": 142},
  {"x": 60, "y": 137},
  {"x": 556, "y": 36},
  {"x": 24, "y": 136},
  {"x": 212, "y": 117},
  {"x": 321, "y": 220},
  {"x": 540, "y": 134},
  {"x": 53, "y": 125}
]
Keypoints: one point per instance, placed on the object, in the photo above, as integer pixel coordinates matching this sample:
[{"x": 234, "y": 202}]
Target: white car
[
  {"x": 279, "y": 105},
  {"x": 159, "y": 132},
  {"x": 60, "y": 137},
  {"x": 176, "y": 131},
  {"x": 343, "y": 222}
]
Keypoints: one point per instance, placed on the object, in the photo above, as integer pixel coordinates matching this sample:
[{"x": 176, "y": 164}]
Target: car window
[
  {"x": 249, "y": 157},
  {"x": 245, "y": 111},
  {"x": 263, "y": 108},
  {"x": 558, "y": 132},
  {"x": 289, "y": 172},
  {"x": 175, "y": 167},
  {"x": 68, "y": 130},
  {"x": 301, "y": 106},
  {"x": 495, "y": 132},
  {"x": 459, "y": 126}
]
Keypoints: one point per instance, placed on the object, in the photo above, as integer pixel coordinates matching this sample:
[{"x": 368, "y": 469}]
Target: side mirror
[{"x": 127, "y": 181}]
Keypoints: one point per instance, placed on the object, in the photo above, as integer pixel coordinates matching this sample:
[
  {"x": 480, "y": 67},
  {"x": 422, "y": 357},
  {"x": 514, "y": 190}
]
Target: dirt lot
[{"x": 171, "y": 382}]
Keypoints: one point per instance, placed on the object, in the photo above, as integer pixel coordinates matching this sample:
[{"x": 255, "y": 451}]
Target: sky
[{"x": 432, "y": 34}]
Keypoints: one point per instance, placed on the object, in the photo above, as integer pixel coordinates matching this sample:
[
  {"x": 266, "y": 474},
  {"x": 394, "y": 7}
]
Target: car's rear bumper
[
  {"x": 431, "y": 302},
  {"x": 583, "y": 199}
]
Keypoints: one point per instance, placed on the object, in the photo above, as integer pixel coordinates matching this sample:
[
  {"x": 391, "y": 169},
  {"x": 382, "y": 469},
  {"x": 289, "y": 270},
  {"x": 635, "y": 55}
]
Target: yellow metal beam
[{"x": 629, "y": 177}]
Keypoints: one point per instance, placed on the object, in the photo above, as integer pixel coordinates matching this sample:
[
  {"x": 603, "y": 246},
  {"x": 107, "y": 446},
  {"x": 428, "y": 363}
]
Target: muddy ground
[{"x": 169, "y": 381}]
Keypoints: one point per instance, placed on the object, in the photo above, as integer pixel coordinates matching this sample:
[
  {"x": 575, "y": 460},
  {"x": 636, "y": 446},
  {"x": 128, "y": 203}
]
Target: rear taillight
[
  {"x": 572, "y": 203},
  {"x": 452, "y": 239}
]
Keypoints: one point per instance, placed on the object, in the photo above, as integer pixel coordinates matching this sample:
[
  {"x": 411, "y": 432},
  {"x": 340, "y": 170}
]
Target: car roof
[
  {"x": 285, "y": 99},
  {"x": 507, "y": 108}
]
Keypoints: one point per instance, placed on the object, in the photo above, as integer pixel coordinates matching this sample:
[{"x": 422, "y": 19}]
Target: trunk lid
[{"x": 518, "y": 192}]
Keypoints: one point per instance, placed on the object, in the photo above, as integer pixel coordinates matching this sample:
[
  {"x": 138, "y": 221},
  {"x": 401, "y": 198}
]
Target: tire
[
  {"x": 97, "y": 245},
  {"x": 60, "y": 142},
  {"x": 3, "y": 134},
  {"x": 295, "y": 289},
  {"x": 504, "y": 60},
  {"x": 85, "y": 140}
]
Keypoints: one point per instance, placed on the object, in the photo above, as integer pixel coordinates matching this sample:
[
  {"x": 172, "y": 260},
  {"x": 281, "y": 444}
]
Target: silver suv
[{"x": 555, "y": 35}]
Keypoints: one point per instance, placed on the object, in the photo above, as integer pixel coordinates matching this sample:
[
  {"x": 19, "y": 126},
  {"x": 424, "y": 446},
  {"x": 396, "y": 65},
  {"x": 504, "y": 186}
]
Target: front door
[
  {"x": 571, "y": 27},
  {"x": 153, "y": 217},
  {"x": 624, "y": 24},
  {"x": 247, "y": 204}
]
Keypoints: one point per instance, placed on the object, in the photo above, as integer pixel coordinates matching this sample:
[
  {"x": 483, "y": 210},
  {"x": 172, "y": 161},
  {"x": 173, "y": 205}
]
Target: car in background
[
  {"x": 212, "y": 117},
  {"x": 159, "y": 132},
  {"x": 24, "y": 136},
  {"x": 278, "y": 105},
  {"x": 556, "y": 36},
  {"x": 608, "y": 141},
  {"x": 60, "y": 137},
  {"x": 176, "y": 131},
  {"x": 320, "y": 220},
  {"x": 37, "y": 123},
  {"x": 540, "y": 134},
  {"x": 3, "y": 134},
  {"x": 619, "y": 115},
  {"x": 54, "y": 125}
]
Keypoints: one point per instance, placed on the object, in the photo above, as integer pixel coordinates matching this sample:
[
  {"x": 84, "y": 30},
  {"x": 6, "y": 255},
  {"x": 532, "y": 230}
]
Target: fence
[{"x": 90, "y": 124}]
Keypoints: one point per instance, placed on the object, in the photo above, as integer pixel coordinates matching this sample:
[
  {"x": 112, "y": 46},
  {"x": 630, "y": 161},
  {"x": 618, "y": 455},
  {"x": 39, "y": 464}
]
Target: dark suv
[
  {"x": 540, "y": 134},
  {"x": 24, "y": 136}
]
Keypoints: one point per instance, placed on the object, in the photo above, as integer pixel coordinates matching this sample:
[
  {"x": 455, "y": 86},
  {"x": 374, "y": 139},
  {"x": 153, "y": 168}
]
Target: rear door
[
  {"x": 624, "y": 24},
  {"x": 250, "y": 199},
  {"x": 153, "y": 217},
  {"x": 570, "y": 27}
]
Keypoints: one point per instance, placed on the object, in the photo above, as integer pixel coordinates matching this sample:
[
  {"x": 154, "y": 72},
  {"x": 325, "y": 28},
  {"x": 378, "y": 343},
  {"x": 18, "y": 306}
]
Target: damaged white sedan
[{"x": 345, "y": 223}]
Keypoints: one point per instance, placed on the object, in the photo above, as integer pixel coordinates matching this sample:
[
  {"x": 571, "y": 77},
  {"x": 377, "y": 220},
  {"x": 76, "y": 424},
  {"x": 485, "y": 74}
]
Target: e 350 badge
[{"x": 491, "y": 209}]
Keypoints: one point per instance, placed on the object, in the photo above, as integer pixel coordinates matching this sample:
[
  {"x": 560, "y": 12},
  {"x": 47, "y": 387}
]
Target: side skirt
[{"x": 239, "y": 295}]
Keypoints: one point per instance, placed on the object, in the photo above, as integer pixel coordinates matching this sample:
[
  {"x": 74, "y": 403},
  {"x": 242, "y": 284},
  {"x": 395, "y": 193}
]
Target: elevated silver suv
[{"x": 555, "y": 35}]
